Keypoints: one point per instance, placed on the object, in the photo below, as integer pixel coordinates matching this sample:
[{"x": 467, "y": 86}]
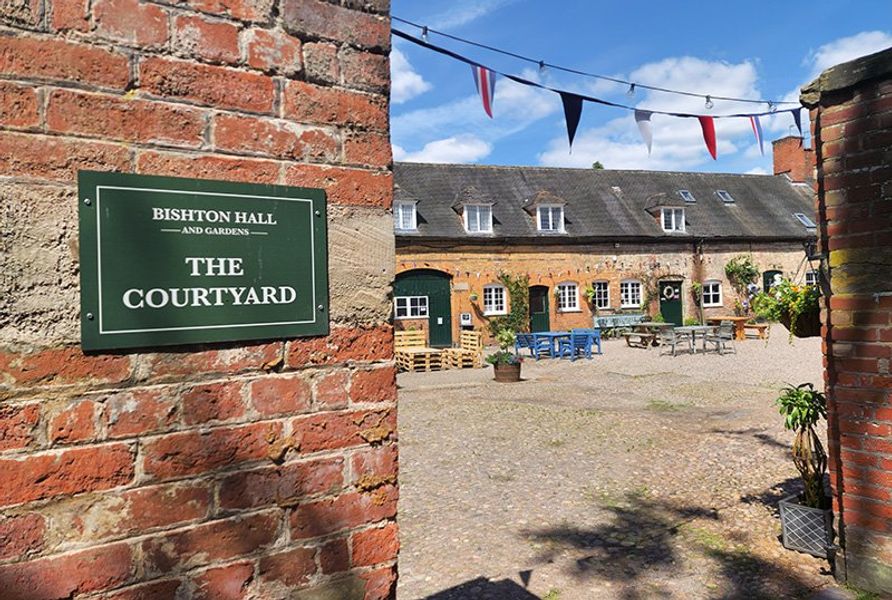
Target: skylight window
[
  {"x": 725, "y": 196},
  {"x": 803, "y": 218},
  {"x": 686, "y": 196}
]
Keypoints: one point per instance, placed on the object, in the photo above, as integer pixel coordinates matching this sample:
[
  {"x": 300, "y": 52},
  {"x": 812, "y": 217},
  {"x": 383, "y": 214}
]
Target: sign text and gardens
[{"x": 181, "y": 261}]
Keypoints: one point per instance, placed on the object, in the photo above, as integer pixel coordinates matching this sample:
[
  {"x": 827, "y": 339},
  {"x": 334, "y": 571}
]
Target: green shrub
[{"x": 691, "y": 321}]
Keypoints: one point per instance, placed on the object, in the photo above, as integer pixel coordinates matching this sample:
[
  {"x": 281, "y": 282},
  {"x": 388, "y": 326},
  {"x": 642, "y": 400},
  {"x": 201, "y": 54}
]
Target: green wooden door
[
  {"x": 768, "y": 279},
  {"x": 427, "y": 293},
  {"x": 670, "y": 302},
  {"x": 539, "y": 308}
]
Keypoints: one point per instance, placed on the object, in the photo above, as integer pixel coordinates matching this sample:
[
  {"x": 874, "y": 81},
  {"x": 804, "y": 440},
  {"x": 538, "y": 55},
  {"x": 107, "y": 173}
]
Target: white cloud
[
  {"x": 456, "y": 149},
  {"x": 678, "y": 142},
  {"x": 757, "y": 171},
  {"x": 515, "y": 107},
  {"x": 846, "y": 49},
  {"x": 463, "y": 12},
  {"x": 406, "y": 83}
]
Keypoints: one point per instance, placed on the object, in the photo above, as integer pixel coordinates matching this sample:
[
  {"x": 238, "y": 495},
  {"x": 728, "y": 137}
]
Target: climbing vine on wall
[
  {"x": 741, "y": 271},
  {"x": 518, "y": 317}
]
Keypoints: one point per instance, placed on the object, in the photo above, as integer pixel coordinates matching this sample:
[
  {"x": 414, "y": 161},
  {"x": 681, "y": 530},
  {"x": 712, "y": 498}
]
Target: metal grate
[{"x": 805, "y": 529}]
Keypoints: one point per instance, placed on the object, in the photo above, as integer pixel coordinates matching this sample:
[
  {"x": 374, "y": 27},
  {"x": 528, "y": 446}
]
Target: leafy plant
[
  {"x": 697, "y": 293},
  {"x": 741, "y": 271},
  {"x": 787, "y": 302},
  {"x": 505, "y": 355},
  {"x": 518, "y": 317},
  {"x": 659, "y": 318},
  {"x": 802, "y": 407},
  {"x": 690, "y": 321}
]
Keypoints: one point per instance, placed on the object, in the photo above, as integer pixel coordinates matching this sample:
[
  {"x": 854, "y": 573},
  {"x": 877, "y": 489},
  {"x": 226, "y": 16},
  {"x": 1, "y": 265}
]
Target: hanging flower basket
[{"x": 808, "y": 324}]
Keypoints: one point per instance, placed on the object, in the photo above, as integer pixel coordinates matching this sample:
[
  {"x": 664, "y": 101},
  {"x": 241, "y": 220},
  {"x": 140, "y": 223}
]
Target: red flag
[{"x": 707, "y": 124}]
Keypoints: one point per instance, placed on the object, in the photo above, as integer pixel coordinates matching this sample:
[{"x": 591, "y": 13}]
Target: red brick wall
[
  {"x": 220, "y": 472},
  {"x": 791, "y": 158},
  {"x": 852, "y": 119}
]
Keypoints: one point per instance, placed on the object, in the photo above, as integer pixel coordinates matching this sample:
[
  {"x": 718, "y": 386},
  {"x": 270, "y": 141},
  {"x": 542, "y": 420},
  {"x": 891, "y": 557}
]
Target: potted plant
[
  {"x": 505, "y": 363},
  {"x": 806, "y": 519}
]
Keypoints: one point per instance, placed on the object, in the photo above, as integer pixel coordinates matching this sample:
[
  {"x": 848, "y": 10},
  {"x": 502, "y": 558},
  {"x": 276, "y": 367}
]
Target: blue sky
[{"x": 750, "y": 50}]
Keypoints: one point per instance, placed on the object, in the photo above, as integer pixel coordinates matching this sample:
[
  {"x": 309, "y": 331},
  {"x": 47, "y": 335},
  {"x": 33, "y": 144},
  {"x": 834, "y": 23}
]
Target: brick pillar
[
  {"x": 793, "y": 159},
  {"x": 261, "y": 470},
  {"x": 851, "y": 112}
]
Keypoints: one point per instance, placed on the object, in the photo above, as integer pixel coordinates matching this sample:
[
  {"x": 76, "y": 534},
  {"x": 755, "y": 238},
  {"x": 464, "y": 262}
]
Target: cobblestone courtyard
[{"x": 633, "y": 475}]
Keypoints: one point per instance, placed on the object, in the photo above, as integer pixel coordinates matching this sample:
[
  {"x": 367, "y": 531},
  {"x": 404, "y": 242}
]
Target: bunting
[
  {"x": 757, "y": 131},
  {"x": 707, "y": 124},
  {"x": 642, "y": 118},
  {"x": 485, "y": 80},
  {"x": 572, "y": 113}
]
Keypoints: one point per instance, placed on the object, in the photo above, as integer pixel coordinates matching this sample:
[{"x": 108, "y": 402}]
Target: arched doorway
[
  {"x": 770, "y": 278},
  {"x": 539, "y": 320},
  {"x": 422, "y": 297}
]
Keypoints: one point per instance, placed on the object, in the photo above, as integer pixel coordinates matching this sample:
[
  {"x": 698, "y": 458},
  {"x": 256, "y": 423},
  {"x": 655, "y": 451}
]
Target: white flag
[{"x": 642, "y": 117}]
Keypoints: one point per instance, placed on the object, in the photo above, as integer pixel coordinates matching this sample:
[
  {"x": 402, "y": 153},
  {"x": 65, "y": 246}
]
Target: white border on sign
[{"x": 99, "y": 189}]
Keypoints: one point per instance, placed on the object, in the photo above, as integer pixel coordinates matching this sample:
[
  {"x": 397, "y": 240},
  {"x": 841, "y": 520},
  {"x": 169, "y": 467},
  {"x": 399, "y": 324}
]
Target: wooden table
[
  {"x": 739, "y": 331},
  {"x": 646, "y": 333}
]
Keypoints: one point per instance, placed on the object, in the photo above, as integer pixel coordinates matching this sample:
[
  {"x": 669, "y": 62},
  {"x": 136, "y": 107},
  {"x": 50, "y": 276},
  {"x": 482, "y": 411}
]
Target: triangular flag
[
  {"x": 707, "y": 124},
  {"x": 642, "y": 117},
  {"x": 798, "y": 118},
  {"x": 572, "y": 113},
  {"x": 757, "y": 131},
  {"x": 485, "y": 80}
]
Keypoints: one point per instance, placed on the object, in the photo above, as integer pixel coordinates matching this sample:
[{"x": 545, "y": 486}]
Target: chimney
[{"x": 793, "y": 159}]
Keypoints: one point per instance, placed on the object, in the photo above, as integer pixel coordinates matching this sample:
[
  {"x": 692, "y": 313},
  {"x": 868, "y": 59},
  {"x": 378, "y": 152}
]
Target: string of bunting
[{"x": 485, "y": 82}]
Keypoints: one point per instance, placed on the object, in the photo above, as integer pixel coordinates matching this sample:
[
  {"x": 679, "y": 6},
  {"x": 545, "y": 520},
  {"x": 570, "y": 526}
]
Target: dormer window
[
  {"x": 686, "y": 196},
  {"x": 725, "y": 196},
  {"x": 478, "y": 218},
  {"x": 672, "y": 219},
  {"x": 803, "y": 218},
  {"x": 404, "y": 217},
  {"x": 550, "y": 217}
]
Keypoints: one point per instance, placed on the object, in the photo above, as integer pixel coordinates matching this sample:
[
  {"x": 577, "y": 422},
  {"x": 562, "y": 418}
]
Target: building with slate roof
[{"x": 636, "y": 241}]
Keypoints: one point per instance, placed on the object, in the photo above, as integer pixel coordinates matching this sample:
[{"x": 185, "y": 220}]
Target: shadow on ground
[
  {"x": 504, "y": 589},
  {"x": 649, "y": 545}
]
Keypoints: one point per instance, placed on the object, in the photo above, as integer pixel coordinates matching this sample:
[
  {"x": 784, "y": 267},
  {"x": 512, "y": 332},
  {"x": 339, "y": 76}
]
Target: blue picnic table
[{"x": 559, "y": 343}]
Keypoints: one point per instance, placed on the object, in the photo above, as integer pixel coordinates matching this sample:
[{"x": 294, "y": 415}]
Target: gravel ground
[{"x": 633, "y": 475}]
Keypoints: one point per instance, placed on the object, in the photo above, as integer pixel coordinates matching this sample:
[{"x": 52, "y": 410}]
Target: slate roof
[{"x": 601, "y": 204}]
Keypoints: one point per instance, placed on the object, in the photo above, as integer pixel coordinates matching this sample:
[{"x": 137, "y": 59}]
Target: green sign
[{"x": 182, "y": 261}]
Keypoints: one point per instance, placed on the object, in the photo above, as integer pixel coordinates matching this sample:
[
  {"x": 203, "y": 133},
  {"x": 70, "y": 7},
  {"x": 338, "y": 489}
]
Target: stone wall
[
  {"x": 262, "y": 470},
  {"x": 473, "y": 267},
  {"x": 851, "y": 111}
]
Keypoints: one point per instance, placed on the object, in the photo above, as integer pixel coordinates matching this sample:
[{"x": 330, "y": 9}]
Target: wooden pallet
[
  {"x": 457, "y": 358},
  {"x": 419, "y": 359}
]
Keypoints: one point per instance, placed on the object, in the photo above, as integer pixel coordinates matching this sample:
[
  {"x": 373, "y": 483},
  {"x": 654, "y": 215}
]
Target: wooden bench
[
  {"x": 469, "y": 353},
  {"x": 636, "y": 339},
  {"x": 412, "y": 354},
  {"x": 760, "y": 329}
]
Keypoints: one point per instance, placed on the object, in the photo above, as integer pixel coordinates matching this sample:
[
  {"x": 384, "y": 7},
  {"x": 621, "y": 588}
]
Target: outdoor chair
[
  {"x": 577, "y": 344},
  {"x": 723, "y": 338},
  {"x": 669, "y": 338},
  {"x": 596, "y": 336},
  {"x": 541, "y": 346},
  {"x": 523, "y": 340}
]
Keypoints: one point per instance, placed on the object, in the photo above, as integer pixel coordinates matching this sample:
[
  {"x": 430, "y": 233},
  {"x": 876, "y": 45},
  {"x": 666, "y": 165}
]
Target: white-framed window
[
  {"x": 725, "y": 196},
  {"x": 672, "y": 219},
  {"x": 410, "y": 307},
  {"x": 478, "y": 218},
  {"x": 550, "y": 217},
  {"x": 602, "y": 294},
  {"x": 712, "y": 293},
  {"x": 811, "y": 278},
  {"x": 404, "y": 217},
  {"x": 630, "y": 293},
  {"x": 686, "y": 196},
  {"x": 567, "y": 296},
  {"x": 494, "y": 300},
  {"x": 805, "y": 220}
]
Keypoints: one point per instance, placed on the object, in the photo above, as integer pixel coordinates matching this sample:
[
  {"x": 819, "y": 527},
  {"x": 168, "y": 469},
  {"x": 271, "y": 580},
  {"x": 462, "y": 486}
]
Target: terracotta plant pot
[{"x": 506, "y": 373}]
